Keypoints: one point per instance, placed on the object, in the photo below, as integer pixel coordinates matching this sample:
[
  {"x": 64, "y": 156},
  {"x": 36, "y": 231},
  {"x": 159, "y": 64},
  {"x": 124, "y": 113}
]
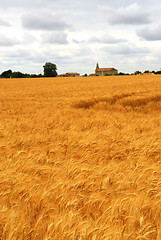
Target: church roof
[{"x": 105, "y": 69}]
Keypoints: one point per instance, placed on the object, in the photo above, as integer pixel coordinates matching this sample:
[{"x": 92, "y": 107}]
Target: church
[{"x": 105, "y": 71}]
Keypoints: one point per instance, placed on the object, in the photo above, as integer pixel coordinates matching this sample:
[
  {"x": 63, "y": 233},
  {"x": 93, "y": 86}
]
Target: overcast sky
[{"x": 75, "y": 35}]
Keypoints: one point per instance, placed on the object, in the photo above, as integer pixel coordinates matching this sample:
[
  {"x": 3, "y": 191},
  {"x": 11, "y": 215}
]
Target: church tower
[{"x": 97, "y": 66}]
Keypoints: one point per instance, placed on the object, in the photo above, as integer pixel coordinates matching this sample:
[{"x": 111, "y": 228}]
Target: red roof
[
  {"x": 92, "y": 74},
  {"x": 147, "y": 73},
  {"x": 105, "y": 69},
  {"x": 72, "y": 73},
  {"x": 62, "y": 75},
  {"x": 67, "y": 74}
]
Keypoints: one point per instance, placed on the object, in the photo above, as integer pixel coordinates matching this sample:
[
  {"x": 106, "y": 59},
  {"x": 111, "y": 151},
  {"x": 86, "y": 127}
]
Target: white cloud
[
  {"x": 55, "y": 38},
  {"x": 77, "y": 34}
]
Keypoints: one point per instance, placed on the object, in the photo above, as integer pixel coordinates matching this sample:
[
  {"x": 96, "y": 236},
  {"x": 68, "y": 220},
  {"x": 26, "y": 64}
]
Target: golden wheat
[{"x": 80, "y": 158}]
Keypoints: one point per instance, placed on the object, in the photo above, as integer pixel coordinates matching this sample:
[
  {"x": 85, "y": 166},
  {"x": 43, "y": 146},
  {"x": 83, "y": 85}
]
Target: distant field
[{"x": 80, "y": 158}]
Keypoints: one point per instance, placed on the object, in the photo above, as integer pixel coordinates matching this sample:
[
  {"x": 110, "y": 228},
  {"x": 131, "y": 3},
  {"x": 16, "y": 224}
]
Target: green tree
[
  {"x": 121, "y": 73},
  {"x": 50, "y": 70},
  {"x": 158, "y": 72},
  {"x": 6, "y": 74},
  {"x": 137, "y": 72},
  {"x": 17, "y": 75}
]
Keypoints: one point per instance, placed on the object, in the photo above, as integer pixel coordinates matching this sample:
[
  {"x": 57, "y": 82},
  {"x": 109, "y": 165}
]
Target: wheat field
[{"x": 80, "y": 158}]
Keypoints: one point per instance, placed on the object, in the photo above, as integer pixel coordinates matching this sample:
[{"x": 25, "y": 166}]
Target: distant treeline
[
  {"x": 10, "y": 74},
  {"x": 138, "y": 72}
]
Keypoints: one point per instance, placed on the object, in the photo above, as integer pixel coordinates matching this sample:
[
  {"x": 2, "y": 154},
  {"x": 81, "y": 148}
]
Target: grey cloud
[
  {"x": 126, "y": 49},
  {"x": 77, "y": 41},
  {"x": 132, "y": 15},
  {"x": 107, "y": 39},
  {"x": 43, "y": 22},
  {"x": 20, "y": 4},
  {"x": 55, "y": 38},
  {"x": 4, "y": 23},
  {"x": 150, "y": 34},
  {"x": 6, "y": 41},
  {"x": 28, "y": 38},
  {"x": 82, "y": 51},
  {"x": 18, "y": 53}
]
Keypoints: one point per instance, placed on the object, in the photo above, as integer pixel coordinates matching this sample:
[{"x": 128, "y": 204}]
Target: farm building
[
  {"x": 69, "y": 74},
  {"x": 91, "y": 75},
  {"x": 105, "y": 71},
  {"x": 150, "y": 73}
]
